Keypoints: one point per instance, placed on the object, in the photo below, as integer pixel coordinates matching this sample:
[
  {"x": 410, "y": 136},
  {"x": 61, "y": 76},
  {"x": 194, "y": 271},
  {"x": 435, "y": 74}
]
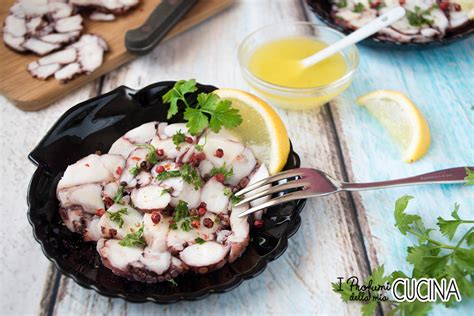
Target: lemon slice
[
  {"x": 402, "y": 119},
  {"x": 261, "y": 130},
  {"x": 468, "y": 7}
]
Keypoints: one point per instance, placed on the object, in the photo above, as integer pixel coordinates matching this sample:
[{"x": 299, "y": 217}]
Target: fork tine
[
  {"x": 278, "y": 188},
  {"x": 279, "y": 176},
  {"x": 278, "y": 200}
]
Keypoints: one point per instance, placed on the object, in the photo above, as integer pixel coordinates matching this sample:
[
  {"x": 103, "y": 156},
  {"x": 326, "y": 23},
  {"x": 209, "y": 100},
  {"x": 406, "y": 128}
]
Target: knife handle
[{"x": 143, "y": 39}]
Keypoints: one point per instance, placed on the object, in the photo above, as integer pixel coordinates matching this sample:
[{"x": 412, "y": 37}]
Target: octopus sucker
[{"x": 160, "y": 202}]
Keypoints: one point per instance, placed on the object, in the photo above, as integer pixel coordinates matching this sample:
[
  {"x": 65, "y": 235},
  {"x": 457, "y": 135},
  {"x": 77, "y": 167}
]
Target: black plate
[
  {"x": 322, "y": 9},
  {"x": 94, "y": 125}
]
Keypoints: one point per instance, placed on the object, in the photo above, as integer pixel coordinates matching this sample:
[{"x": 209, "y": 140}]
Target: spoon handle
[{"x": 367, "y": 30}]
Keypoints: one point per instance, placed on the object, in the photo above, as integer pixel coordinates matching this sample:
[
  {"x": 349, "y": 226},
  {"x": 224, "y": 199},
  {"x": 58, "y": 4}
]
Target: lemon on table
[
  {"x": 261, "y": 130},
  {"x": 402, "y": 119},
  {"x": 468, "y": 7}
]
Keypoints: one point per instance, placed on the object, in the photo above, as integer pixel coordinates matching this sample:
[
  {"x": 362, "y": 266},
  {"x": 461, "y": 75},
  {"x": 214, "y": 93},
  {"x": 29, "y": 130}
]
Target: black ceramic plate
[
  {"x": 94, "y": 125},
  {"x": 322, "y": 9}
]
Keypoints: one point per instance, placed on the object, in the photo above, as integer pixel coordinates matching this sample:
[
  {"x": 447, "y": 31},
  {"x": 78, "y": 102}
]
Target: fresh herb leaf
[
  {"x": 133, "y": 239},
  {"x": 227, "y": 173},
  {"x": 178, "y": 138},
  {"x": 417, "y": 17},
  {"x": 469, "y": 177},
  {"x": 119, "y": 195},
  {"x": 448, "y": 227},
  {"x": 152, "y": 157},
  {"x": 358, "y": 8},
  {"x": 117, "y": 216},
  {"x": 168, "y": 174},
  {"x": 173, "y": 282},
  {"x": 341, "y": 4},
  {"x": 134, "y": 170},
  {"x": 403, "y": 221},
  {"x": 191, "y": 176},
  {"x": 199, "y": 240},
  {"x": 210, "y": 110},
  {"x": 164, "y": 191},
  {"x": 177, "y": 93},
  {"x": 181, "y": 211}
]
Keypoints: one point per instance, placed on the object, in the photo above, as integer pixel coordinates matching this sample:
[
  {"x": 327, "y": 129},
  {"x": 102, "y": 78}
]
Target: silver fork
[{"x": 304, "y": 183}]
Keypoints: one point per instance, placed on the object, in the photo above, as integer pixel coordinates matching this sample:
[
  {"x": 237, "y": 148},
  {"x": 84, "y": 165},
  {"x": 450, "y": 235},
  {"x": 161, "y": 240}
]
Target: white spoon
[{"x": 371, "y": 28}]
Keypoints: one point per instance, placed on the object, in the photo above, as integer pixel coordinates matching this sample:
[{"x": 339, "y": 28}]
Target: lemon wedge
[
  {"x": 402, "y": 119},
  {"x": 468, "y": 7},
  {"x": 262, "y": 130}
]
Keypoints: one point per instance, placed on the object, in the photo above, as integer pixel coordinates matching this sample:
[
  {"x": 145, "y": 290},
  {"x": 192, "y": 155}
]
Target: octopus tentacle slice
[
  {"x": 176, "y": 225},
  {"x": 41, "y": 26}
]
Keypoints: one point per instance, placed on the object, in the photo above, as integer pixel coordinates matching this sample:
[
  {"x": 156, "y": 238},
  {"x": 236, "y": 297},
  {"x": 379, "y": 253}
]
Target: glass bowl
[{"x": 296, "y": 98}]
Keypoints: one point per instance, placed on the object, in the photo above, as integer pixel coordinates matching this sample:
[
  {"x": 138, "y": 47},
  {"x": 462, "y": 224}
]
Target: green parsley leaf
[
  {"x": 358, "y": 8},
  {"x": 403, "y": 220},
  {"x": 417, "y": 17},
  {"x": 448, "y": 227},
  {"x": 469, "y": 177},
  {"x": 181, "y": 211},
  {"x": 173, "y": 282},
  {"x": 199, "y": 240},
  {"x": 191, "y": 176},
  {"x": 178, "y": 138},
  {"x": 152, "y": 157},
  {"x": 470, "y": 239},
  {"x": 197, "y": 121},
  {"x": 117, "y": 216},
  {"x": 177, "y": 93},
  {"x": 119, "y": 195},
  {"x": 341, "y": 4},
  {"x": 134, "y": 170},
  {"x": 227, "y": 173},
  {"x": 168, "y": 174},
  {"x": 224, "y": 115},
  {"x": 133, "y": 239}
]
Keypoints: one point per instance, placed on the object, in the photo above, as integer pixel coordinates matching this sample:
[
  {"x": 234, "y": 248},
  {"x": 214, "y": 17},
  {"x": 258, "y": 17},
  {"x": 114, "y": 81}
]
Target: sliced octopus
[
  {"x": 158, "y": 207},
  {"x": 426, "y": 20},
  {"x": 104, "y": 10},
  {"x": 84, "y": 56},
  {"x": 41, "y": 26}
]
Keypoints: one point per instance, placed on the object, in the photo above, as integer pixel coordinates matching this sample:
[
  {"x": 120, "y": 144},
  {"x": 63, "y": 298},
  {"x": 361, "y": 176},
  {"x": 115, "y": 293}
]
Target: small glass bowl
[{"x": 296, "y": 98}]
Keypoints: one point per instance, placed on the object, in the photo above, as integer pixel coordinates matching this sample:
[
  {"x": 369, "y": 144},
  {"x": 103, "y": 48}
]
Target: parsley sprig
[
  {"x": 133, "y": 239},
  {"x": 178, "y": 138},
  {"x": 431, "y": 258},
  {"x": 119, "y": 195},
  {"x": 187, "y": 172},
  {"x": 227, "y": 173},
  {"x": 210, "y": 110},
  {"x": 182, "y": 216},
  {"x": 117, "y": 216},
  {"x": 152, "y": 156},
  {"x": 233, "y": 199},
  {"x": 417, "y": 17}
]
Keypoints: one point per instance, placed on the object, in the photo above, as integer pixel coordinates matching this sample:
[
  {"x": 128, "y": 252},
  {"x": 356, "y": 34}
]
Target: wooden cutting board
[{"x": 31, "y": 94}]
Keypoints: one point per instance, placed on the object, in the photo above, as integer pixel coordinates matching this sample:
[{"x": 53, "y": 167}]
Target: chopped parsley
[
  {"x": 358, "y": 8},
  {"x": 152, "y": 157},
  {"x": 233, "y": 199},
  {"x": 119, "y": 195},
  {"x": 223, "y": 170},
  {"x": 187, "y": 172},
  {"x": 199, "y": 240},
  {"x": 341, "y": 4},
  {"x": 173, "y": 282},
  {"x": 117, "y": 216},
  {"x": 178, "y": 139},
  {"x": 416, "y": 18},
  {"x": 181, "y": 214},
  {"x": 134, "y": 171},
  {"x": 133, "y": 239}
]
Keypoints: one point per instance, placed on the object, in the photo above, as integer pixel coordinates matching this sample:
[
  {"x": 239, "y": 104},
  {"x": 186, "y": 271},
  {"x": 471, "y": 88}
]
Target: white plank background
[{"x": 335, "y": 229}]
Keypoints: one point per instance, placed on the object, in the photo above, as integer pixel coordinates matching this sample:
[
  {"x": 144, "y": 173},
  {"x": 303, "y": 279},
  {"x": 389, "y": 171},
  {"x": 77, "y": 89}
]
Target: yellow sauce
[{"x": 277, "y": 62}]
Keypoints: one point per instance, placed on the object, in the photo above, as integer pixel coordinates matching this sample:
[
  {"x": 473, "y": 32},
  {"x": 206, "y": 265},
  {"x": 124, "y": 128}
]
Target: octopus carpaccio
[
  {"x": 160, "y": 202},
  {"x": 425, "y": 20}
]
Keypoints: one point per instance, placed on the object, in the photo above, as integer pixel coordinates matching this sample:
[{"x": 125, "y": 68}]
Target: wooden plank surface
[
  {"x": 327, "y": 245},
  {"x": 440, "y": 82},
  {"x": 41, "y": 93}
]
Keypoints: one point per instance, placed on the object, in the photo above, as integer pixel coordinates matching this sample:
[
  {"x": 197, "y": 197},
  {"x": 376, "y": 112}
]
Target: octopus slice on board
[
  {"x": 106, "y": 6},
  {"x": 41, "y": 26},
  {"x": 99, "y": 16},
  {"x": 84, "y": 56},
  {"x": 130, "y": 220}
]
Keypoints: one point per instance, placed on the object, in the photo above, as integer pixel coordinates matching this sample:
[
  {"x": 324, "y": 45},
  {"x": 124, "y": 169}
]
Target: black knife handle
[{"x": 143, "y": 39}]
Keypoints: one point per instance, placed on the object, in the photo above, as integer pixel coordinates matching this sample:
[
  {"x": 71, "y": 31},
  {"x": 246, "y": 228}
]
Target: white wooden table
[{"x": 341, "y": 235}]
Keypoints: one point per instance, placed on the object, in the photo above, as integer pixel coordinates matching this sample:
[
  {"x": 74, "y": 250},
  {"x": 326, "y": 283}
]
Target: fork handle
[{"x": 446, "y": 176}]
